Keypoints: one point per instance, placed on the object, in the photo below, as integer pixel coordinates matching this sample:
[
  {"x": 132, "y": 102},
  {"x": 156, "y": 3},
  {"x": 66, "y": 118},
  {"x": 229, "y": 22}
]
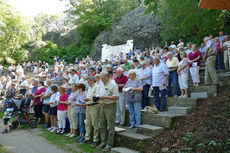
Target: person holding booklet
[{"x": 194, "y": 64}]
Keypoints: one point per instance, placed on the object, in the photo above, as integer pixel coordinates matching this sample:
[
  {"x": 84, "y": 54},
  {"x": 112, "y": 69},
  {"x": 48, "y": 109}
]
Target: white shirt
[
  {"x": 180, "y": 45},
  {"x": 23, "y": 83},
  {"x": 54, "y": 98},
  {"x": 73, "y": 79},
  {"x": 173, "y": 46},
  {"x": 158, "y": 74}
]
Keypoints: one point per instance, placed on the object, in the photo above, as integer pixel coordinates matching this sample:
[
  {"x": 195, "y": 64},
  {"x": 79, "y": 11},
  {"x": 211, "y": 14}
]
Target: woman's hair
[
  {"x": 75, "y": 86},
  {"x": 41, "y": 82},
  {"x": 81, "y": 86},
  {"x": 62, "y": 88},
  {"x": 183, "y": 53},
  {"x": 132, "y": 71},
  {"x": 54, "y": 88}
]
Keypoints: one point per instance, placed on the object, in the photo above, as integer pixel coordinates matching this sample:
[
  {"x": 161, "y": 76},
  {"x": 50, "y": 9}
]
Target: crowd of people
[{"x": 94, "y": 95}]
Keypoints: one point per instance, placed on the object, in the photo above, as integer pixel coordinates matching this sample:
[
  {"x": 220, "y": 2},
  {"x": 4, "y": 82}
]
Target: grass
[
  {"x": 68, "y": 144},
  {"x": 2, "y": 149}
]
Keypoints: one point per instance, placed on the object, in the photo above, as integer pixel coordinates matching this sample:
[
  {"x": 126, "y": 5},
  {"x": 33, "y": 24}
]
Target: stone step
[
  {"x": 177, "y": 102},
  {"x": 149, "y": 130},
  {"x": 180, "y": 110},
  {"x": 163, "y": 119},
  {"x": 122, "y": 150},
  {"x": 132, "y": 140},
  {"x": 211, "y": 90},
  {"x": 199, "y": 95}
]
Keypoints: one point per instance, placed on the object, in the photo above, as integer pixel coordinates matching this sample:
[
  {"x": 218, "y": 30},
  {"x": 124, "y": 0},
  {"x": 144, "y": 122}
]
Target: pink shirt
[
  {"x": 218, "y": 46},
  {"x": 194, "y": 55},
  {"x": 37, "y": 101},
  {"x": 63, "y": 107}
]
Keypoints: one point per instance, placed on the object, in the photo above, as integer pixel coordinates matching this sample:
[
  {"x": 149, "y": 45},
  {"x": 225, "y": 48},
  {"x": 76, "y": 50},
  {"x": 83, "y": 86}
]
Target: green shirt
[{"x": 127, "y": 67}]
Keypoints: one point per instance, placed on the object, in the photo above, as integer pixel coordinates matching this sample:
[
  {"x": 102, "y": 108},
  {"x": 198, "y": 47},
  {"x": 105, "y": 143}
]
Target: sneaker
[
  {"x": 82, "y": 140},
  {"x": 3, "y": 132},
  {"x": 107, "y": 148},
  {"x": 72, "y": 135},
  {"x": 94, "y": 144},
  {"x": 69, "y": 134},
  {"x": 78, "y": 138},
  {"x": 62, "y": 132},
  {"x": 49, "y": 129},
  {"x": 102, "y": 145},
  {"x": 181, "y": 96},
  {"x": 175, "y": 96},
  {"x": 185, "y": 96},
  {"x": 53, "y": 129},
  {"x": 58, "y": 131},
  {"x": 131, "y": 127}
]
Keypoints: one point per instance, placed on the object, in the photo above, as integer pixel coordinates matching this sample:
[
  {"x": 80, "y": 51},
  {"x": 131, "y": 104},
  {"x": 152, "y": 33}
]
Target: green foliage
[
  {"x": 50, "y": 50},
  {"x": 183, "y": 19},
  {"x": 14, "y": 33},
  {"x": 188, "y": 137},
  {"x": 96, "y": 16}
]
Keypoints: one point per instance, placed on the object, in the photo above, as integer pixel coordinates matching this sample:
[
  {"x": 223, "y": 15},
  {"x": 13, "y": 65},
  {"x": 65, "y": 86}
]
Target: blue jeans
[
  {"x": 145, "y": 97},
  {"x": 81, "y": 123},
  {"x": 173, "y": 77},
  {"x": 134, "y": 113},
  {"x": 156, "y": 90},
  {"x": 219, "y": 61}
]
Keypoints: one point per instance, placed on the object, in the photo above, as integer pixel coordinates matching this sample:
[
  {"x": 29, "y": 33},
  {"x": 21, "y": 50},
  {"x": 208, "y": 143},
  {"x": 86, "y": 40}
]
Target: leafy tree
[
  {"x": 14, "y": 33},
  {"x": 183, "y": 19}
]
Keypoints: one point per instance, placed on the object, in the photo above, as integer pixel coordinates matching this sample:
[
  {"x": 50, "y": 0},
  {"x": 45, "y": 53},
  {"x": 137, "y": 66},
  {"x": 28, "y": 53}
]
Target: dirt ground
[{"x": 205, "y": 130}]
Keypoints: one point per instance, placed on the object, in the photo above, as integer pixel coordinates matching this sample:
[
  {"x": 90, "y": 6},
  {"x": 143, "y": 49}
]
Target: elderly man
[
  {"x": 145, "y": 76},
  {"x": 121, "y": 81},
  {"x": 159, "y": 80},
  {"x": 92, "y": 112},
  {"x": 172, "y": 64},
  {"x": 73, "y": 78},
  {"x": 23, "y": 85},
  {"x": 210, "y": 56},
  {"x": 108, "y": 96},
  {"x": 226, "y": 47}
]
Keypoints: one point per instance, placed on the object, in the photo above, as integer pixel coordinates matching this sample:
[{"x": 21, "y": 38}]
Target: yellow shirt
[{"x": 173, "y": 62}]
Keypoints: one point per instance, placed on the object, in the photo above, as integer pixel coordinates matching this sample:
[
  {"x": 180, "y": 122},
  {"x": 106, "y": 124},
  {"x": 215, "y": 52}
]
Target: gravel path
[{"x": 26, "y": 141}]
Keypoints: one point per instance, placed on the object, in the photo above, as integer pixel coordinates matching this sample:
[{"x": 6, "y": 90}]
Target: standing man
[
  {"x": 159, "y": 80},
  {"x": 121, "y": 80},
  {"x": 172, "y": 64},
  {"x": 226, "y": 47},
  {"x": 145, "y": 77},
  {"x": 92, "y": 112},
  {"x": 210, "y": 56},
  {"x": 108, "y": 96}
]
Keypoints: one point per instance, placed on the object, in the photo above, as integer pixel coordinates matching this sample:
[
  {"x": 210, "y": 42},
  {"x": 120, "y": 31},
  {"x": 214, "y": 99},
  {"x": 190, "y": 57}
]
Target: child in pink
[{"x": 62, "y": 110}]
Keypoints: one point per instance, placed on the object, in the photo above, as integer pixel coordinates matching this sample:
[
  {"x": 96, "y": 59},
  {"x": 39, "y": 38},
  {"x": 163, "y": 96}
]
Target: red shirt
[
  {"x": 194, "y": 55},
  {"x": 121, "y": 80},
  {"x": 63, "y": 107}
]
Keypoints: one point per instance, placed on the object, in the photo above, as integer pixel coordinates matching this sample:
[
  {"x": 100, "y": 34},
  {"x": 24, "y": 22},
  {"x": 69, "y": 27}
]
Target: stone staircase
[{"x": 152, "y": 125}]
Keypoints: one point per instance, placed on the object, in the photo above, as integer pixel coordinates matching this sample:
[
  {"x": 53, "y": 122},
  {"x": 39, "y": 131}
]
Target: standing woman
[
  {"x": 134, "y": 98},
  {"x": 80, "y": 110},
  {"x": 35, "y": 68},
  {"x": 183, "y": 75},
  {"x": 53, "y": 108},
  {"x": 37, "y": 101},
  {"x": 194, "y": 64},
  {"x": 71, "y": 111},
  {"x": 219, "y": 56},
  {"x": 62, "y": 110}
]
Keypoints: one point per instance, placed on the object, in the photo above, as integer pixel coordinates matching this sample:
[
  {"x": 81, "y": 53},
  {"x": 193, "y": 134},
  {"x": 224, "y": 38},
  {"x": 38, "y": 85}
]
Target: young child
[{"x": 7, "y": 115}]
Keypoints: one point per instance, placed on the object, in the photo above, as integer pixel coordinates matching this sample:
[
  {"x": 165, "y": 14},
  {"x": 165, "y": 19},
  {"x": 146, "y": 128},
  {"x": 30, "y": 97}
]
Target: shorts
[
  {"x": 38, "y": 111},
  {"x": 53, "y": 111},
  {"x": 6, "y": 120},
  {"x": 46, "y": 108}
]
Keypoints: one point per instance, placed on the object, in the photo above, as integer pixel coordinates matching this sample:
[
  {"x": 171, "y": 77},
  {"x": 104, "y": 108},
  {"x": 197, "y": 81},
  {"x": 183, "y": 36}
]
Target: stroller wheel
[
  {"x": 15, "y": 125},
  {"x": 33, "y": 124}
]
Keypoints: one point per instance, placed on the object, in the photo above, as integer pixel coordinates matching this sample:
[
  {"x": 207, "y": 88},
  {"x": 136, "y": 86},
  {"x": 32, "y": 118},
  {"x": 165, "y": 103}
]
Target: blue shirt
[
  {"x": 146, "y": 72},
  {"x": 48, "y": 91},
  {"x": 80, "y": 100}
]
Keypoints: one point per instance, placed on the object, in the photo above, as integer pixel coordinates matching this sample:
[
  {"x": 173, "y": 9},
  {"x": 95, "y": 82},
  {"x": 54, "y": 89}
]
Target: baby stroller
[{"x": 23, "y": 116}]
